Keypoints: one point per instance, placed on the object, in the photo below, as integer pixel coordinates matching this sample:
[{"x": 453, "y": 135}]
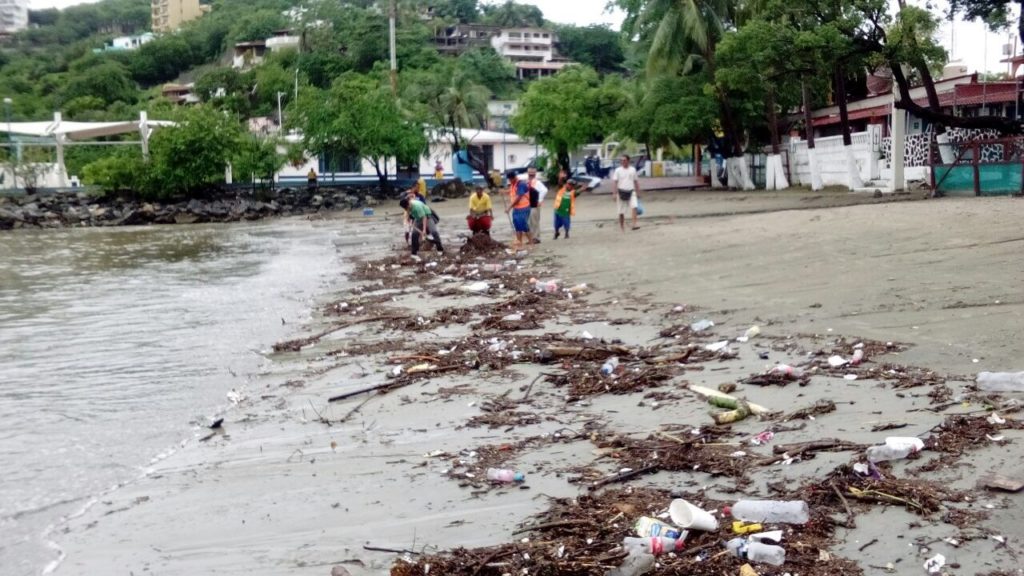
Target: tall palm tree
[{"x": 682, "y": 35}]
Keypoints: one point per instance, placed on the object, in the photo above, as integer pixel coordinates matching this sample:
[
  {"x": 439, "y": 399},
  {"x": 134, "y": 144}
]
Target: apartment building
[
  {"x": 454, "y": 40},
  {"x": 13, "y": 16},
  {"x": 169, "y": 15},
  {"x": 532, "y": 50}
]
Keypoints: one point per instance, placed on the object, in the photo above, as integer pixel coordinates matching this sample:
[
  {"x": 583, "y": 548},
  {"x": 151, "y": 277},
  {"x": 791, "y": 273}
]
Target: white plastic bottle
[
  {"x": 900, "y": 441},
  {"x": 858, "y": 356},
  {"x": 770, "y": 511},
  {"x": 609, "y": 366},
  {"x": 757, "y": 552},
  {"x": 752, "y": 332},
  {"x": 654, "y": 546},
  {"x": 887, "y": 452},
  {"x": 1001, "y": 381},
  {"x": 504, "y": 476},
  {"x": 636, "y": 564},
  {"x": 790, "y": 371}
]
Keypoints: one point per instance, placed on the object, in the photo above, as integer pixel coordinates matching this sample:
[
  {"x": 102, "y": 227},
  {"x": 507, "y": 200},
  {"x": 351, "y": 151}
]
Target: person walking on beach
[
  {"x": 519, "y": 207},
  {"x": 565, "y": 208},
  {"x": 626, "y": 190},
  {"x": 423, "y": 224},
  {"x": 537, "y": 193},
  {"x": 438, "y": 170},
  {"x": 480, "y": 212}
]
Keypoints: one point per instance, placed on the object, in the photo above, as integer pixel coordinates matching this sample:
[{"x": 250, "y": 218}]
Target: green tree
[
  {"x": 257, "y": 159},
  {"x": 124, "y": 171},
  {"x": 485, "y": 67},
  {"x": 358, "y": 116},
  {"x": 463, "y": 11},
  {"x": 596, "y": 46},
  {"x": 449, "y": 100},
  {"x": 187, "y": 158},
  {"x": 511, "y": 14},
  {"x": 107, "y": 81},
  {"x": 568, "y": 110},
  {"x": 258, "y": 25}
]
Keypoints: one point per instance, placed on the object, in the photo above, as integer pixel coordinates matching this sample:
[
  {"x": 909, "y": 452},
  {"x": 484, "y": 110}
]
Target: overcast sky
[{"x": 969, "y": 42}]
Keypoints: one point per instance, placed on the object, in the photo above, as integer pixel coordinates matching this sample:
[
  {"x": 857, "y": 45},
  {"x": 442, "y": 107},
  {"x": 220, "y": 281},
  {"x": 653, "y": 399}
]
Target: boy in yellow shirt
[{"x": 480, "y": 212}]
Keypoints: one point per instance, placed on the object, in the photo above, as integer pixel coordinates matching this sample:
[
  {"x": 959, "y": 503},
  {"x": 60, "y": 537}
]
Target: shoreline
[{"x": 367, "y": 480}]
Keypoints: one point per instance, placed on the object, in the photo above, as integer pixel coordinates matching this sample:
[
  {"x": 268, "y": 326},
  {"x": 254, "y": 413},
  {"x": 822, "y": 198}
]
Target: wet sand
[{"x": 279, "y": 492}]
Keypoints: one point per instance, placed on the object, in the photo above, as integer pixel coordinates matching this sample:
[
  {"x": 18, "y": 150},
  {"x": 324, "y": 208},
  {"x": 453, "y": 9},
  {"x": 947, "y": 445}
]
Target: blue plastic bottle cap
[{"x": 518, "y": 477}]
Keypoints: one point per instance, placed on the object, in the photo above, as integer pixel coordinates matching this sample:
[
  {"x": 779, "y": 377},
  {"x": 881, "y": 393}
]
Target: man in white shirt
[
  {"x": 538, "y": 191},
  {"x": 626, "y": 190}
]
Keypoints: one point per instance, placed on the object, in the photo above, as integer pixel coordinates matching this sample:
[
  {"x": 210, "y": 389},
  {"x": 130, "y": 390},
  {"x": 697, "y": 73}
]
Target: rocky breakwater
[{"x": 66, "y": 209}]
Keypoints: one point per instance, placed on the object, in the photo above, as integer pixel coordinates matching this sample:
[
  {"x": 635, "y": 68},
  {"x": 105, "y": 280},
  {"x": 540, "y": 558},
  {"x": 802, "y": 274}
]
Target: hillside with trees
[{"x": 729, "y": 74}]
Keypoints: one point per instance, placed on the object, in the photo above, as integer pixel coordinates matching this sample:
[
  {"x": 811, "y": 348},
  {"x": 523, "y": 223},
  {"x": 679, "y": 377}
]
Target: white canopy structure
[{"x": 65, "y": 133}]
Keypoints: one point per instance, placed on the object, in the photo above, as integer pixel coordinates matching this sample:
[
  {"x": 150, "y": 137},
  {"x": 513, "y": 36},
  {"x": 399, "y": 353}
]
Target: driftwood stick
[
  {"x": 846, "y": 505},
  {"x": 550, "y": 525},
  {"x": 297, "y": 344},
  {"x": 388, "y": 386},
  {"x": 816, "y": 446},
  {"x": 529, "y": 388},
  {"x": 623, "y": 476},
  {"x": 391, "y": 550}
]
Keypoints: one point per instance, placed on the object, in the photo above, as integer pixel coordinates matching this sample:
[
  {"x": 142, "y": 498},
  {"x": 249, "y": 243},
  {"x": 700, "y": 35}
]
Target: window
[
  {"x": 547, "y": 36},
  {"x": 536, "y": 34},
  {"x": 340, "y": 162},
  {"x": 515, "y": 35}
]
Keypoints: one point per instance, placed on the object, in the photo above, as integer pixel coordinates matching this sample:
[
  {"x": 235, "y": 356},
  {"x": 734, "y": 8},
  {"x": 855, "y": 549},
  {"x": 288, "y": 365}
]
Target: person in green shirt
[{"x": 423, "y": 224}]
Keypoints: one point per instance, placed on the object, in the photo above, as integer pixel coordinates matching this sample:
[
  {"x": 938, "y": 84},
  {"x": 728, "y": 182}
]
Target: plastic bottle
[
  {"x": 788, "y": 370},
  {"x": 551, "y": 286},
  {"x": 493, "y": 267},
  {"x": 1001, "y": 381},
  {"x": 636, "y": 564},
  {"x": 504, "y": 475},
  {"x": 858, "y": 356},
  {"x": 757, "y": 552},
  {"x": 609, "y": 366},
  {"x": 770, "y": 511},
  {"x": 752, "y": 332},
  {"x": 647, "y": 527},
  {"x": 655, "y": 546},
  {"x": 900, "y": 441},
  {"x": 886, "y": 452}
]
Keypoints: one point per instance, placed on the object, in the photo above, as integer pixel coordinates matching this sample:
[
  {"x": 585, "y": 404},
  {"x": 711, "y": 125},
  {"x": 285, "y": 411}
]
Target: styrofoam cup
[{"x": 686, "y": 515}]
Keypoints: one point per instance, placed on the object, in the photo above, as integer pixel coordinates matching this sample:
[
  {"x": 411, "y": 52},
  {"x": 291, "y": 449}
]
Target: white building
[
  {"x": 13, "y": 16},
  {"x": 532, "y": 50},
  {"x": 125, "y": 43},
  {"x": 500, "y": 151}
]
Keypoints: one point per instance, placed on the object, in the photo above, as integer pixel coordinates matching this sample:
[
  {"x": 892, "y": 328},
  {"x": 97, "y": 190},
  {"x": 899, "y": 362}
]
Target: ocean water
[{"x": 117, "y": 345}]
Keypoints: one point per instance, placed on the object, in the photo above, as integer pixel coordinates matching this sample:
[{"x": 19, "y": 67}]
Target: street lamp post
[{"x": 10, "y": 140}]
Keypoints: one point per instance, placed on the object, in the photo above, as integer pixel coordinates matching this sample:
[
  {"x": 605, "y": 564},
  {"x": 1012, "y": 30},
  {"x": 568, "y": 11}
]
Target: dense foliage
[{"x": 723, "y": 72}]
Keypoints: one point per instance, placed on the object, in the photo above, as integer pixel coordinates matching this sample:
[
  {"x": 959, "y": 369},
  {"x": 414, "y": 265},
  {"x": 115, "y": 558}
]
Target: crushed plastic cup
[
  {"x": 717, "y": 346},
  {"x": 702, "y": 325},
  {"x": 476, "y": 287},
  {"x": 763, "y": 438},
  {"x": 837, "y": 361},
  {"x": 686, "y": 515},
  {"x": 767, "y": 537}
]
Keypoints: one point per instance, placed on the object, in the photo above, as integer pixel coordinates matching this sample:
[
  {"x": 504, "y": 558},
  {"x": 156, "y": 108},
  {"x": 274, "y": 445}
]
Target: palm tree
[{"x": 682, "y": 35}]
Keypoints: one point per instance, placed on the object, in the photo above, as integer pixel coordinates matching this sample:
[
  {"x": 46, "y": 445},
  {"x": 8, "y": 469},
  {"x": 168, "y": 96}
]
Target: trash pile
[
  {"x": 616, "y": 529},
  {"x": 630, "y": 532}
]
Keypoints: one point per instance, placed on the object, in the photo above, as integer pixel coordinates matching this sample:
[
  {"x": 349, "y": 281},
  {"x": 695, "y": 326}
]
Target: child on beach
[
  {"x": 565, "y": 208},
  {"x": 519, "y": 196}
]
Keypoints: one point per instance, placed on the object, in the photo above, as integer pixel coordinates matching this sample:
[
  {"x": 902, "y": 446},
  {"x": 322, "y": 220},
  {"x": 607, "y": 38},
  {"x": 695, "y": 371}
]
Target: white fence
[{"x": 832, "y": 157}]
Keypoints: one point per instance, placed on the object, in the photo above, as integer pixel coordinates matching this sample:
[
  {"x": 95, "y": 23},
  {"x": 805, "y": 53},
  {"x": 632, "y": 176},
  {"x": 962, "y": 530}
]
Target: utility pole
[
  {"x": 10, "y": 142},
  {"x": 392, "y": 15},
  {"x": 280, "y": 120}
]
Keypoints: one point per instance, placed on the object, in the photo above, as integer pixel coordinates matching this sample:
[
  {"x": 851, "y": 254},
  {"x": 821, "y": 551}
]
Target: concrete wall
[{"x": 832, "y": 157}]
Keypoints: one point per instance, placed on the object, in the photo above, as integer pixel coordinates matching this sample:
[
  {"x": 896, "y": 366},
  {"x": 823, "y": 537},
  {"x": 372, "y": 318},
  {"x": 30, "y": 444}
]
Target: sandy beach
[{"x": 296, "y": 485}]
